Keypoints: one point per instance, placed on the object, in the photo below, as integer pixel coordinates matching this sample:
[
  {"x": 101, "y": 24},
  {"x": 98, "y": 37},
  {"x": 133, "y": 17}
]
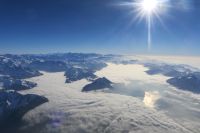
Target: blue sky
[{"x": 102, "y": 26}]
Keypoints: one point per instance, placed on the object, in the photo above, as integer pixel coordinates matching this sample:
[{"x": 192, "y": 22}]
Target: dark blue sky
[{"x": 46, "y": 26}]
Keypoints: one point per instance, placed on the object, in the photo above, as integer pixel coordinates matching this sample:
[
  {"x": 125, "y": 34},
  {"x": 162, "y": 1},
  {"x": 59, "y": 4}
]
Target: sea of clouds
[{"x": 139, "y": 103}]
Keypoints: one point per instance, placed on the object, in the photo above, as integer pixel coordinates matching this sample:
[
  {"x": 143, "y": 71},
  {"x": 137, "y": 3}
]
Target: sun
[
  {"x": 149, "y": 6},
  {"x": 149, "y": 10}
]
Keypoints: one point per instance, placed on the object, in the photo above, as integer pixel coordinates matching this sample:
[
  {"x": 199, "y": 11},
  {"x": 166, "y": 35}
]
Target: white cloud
[
  {"x": 120, "y": 73},
  {"x": 70, "y": 110}
]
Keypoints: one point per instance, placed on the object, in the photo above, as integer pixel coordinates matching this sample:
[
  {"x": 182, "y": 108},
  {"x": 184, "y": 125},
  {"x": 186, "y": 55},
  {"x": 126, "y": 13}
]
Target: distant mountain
[
  {"x": 48, "y": 66},
  {"x": 74, "y": 74},
  {"x": 14, "y": 69},
  {"x": 76, "y": 66},
  {"x": 166, "y": 69},
  {"x": 100, "y": 83},
  {"x": 17, "y": 85},
  {"x": 93, "y": 66},
  {"x": 14, "y": 105},
  {"x": 182, "y": 77},
  {"x": 189, "y": 82}
]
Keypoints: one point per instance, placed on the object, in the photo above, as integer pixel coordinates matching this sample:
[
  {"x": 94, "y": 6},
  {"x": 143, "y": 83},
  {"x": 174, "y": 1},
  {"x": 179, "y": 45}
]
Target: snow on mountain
[
  {"x": 188, "y": 82},
  {"x": 14, "y": 106},
  {"x": 74, "y": 74}
]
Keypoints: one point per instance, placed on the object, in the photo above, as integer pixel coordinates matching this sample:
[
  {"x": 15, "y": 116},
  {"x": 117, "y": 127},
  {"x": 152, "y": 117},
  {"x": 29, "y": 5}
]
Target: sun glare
[
  {"x": 149, "y": 10},
  {"x": 149, "y": 5}
]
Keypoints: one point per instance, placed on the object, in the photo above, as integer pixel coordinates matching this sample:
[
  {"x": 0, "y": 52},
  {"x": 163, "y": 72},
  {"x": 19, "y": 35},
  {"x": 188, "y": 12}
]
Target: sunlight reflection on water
[{"x": 150, "y": 98}]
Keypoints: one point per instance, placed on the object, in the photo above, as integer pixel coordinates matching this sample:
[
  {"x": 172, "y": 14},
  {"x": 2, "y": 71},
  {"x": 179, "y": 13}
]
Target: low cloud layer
[{"x": 70, "y": 110}]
